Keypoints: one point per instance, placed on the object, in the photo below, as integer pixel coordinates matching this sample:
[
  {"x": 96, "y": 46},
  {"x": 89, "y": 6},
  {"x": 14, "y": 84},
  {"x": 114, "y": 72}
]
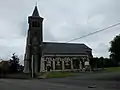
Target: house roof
[{"x": 64, "y": 48}]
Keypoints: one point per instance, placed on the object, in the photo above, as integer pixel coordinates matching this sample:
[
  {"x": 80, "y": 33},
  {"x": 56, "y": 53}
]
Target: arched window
[{"x": 35, "y": 24}]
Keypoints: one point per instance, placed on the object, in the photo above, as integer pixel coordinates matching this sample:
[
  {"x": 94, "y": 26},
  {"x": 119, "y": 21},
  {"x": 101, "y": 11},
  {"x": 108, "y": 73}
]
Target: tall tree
[
  {"x": 115, "y": 49},
  {"x": 14, "y": 61}
]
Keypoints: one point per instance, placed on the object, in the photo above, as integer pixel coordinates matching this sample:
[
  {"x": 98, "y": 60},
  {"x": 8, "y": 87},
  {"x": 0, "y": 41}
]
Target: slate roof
[
  {"x": 35, "y": 12},
  {"x": 64, "y": 48}
]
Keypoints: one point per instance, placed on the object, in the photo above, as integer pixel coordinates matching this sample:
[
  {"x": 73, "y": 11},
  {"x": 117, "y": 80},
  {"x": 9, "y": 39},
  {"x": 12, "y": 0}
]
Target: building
[
  {"x": 40, "y": 55},
  {"x": 4, "y": 67}
]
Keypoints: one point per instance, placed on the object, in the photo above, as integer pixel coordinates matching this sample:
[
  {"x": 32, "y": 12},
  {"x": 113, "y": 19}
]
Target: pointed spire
[{"x": 35, "y": 12}]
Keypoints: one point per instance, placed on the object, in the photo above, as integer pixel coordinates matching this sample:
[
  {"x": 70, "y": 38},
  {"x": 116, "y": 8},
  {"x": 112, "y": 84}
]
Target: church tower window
[{"x": 35, "y": 24}]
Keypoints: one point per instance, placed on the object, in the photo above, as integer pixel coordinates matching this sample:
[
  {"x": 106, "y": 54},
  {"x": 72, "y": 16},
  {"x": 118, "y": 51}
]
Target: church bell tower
[{"x": 33, "y": 53}]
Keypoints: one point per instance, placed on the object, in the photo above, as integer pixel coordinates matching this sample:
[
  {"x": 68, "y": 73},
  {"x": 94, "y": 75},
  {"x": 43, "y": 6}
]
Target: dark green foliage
[
  {"x": 93, "y": 63},
  {"x": 102, "y": 62},
  {"x": 0, "y": 72},
  {"x": 115, "y": 49},
  {"x": 14, "y": 63}
]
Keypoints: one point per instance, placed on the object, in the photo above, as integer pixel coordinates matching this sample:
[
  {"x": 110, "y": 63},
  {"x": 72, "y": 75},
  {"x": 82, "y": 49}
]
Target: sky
[{"x": 63, "y": 20}]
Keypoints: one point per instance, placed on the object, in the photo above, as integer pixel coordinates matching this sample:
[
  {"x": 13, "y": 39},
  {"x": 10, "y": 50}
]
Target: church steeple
[
  {"x": 34, "y": 41},
  {"x": 35, "y": 12}
]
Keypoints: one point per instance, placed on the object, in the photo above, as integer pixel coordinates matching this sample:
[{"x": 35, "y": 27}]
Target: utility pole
[{"x": 32, "y": 62}]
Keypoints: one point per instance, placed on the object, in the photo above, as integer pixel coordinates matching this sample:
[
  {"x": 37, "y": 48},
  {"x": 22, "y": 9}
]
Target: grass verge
[{"x": 112, "y": 69}]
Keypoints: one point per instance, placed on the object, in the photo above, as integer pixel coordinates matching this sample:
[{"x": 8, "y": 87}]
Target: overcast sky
[{"x": 63, "y": 21}]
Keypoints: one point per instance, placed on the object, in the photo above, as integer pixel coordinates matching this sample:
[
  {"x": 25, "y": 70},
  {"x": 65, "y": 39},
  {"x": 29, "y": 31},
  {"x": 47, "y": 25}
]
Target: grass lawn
[
  {"x": 56, "y": 74},
  {"x": 112, "y": 69}
]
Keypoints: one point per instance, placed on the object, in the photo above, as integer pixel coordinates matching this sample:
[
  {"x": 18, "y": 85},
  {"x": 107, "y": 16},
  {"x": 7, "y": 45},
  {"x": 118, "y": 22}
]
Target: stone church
[{"x": 40, "y": 55}]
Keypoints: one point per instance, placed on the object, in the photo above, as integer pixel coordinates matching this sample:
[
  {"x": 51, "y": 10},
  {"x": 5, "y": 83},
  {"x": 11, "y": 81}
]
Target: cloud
[{"x": 63, "y": 21}]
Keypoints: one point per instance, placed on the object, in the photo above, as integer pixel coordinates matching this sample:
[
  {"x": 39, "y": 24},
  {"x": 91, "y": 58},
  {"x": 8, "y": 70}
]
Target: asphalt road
[{"x": 102, "y": 81}]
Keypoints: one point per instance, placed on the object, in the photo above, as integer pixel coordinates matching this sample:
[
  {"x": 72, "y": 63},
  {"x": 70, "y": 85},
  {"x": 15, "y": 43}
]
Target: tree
[
  {"x": 101, "y": 62},
  {"x": 115, "y": 49},
  {"x": 14, "y": 63}
]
